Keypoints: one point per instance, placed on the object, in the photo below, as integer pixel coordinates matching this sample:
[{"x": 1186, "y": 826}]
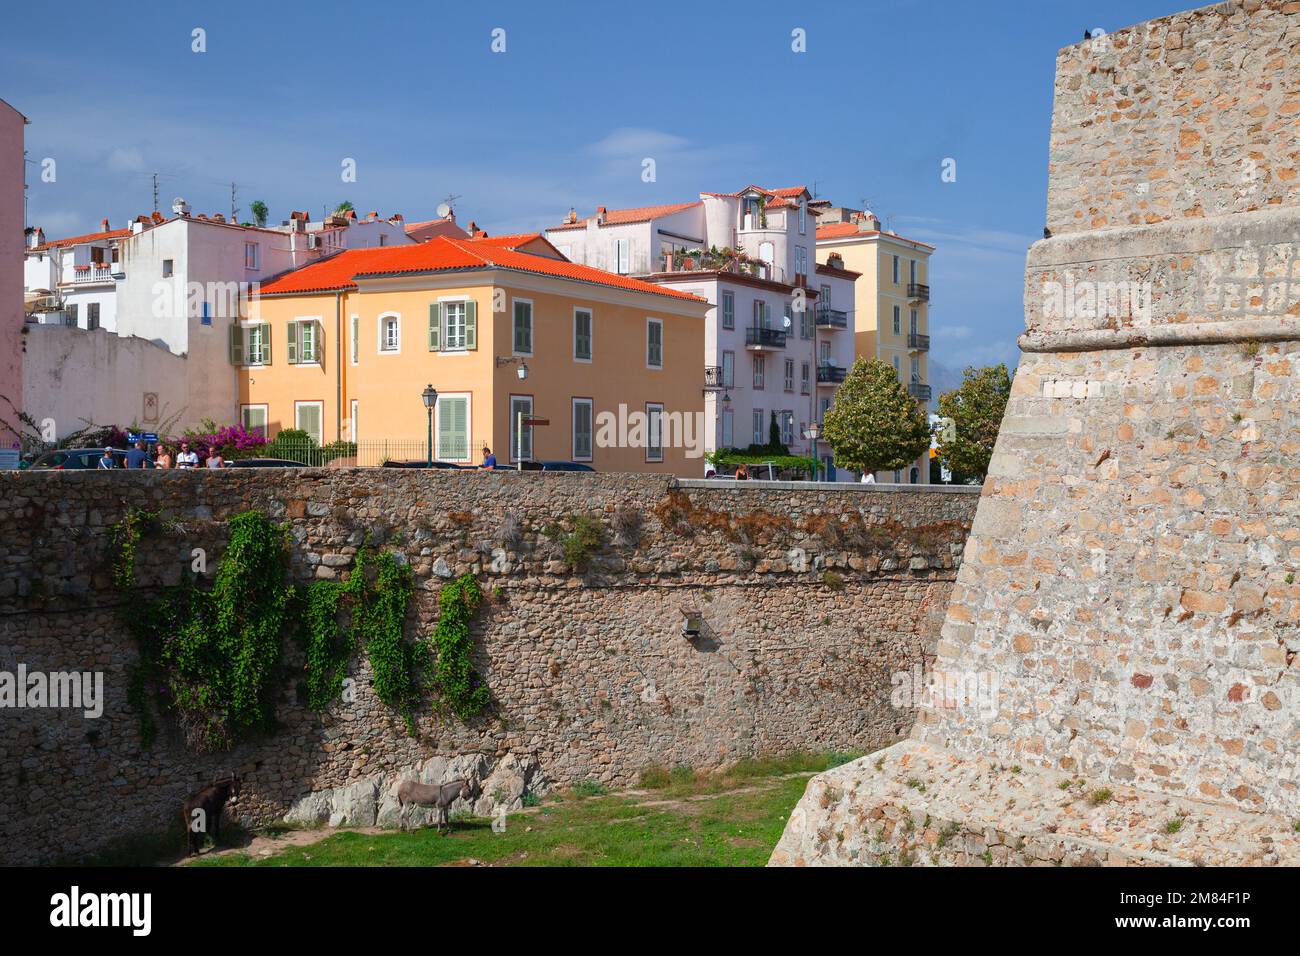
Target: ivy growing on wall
[
  {"x": 212, "y": 658},
  {"x": 461, "y": 690}
]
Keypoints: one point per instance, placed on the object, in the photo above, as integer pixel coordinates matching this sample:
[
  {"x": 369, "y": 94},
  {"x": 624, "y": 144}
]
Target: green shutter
[
  {"x": 471, "y": 324},
  {"x": 435, "y": 326},
  {"x": 291, "y": 355},
  {"x": 236, "y": 345},
  {"x": 266, "y": 343}
]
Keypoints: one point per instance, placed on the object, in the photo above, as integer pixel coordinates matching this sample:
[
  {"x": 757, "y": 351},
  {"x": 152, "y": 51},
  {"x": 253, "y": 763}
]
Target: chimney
[
  {"x": 103, "y": 225},
  {"x": 373, "y": 215},
  {"x": 36, "y": 238},
  {"x": 218, "y": 217},
  {"x": 397, "y": 217},
  {"x": 572, "y": 217},
  {"x": 600, "y": 214}
]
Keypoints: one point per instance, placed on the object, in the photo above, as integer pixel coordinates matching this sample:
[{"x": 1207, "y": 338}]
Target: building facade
[
  {"x": 344, "y": 348},
  {"x": 12, "y": 222},
  {"x": 891, "y": 304},
  {"x": 773, "y": 346}
]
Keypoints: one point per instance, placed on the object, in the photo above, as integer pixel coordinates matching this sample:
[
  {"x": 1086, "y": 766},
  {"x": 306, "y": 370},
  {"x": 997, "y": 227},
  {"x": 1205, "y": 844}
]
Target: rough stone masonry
[
  {"x": 1131, "y": 585},
  {"x": 812, "y": 598}
]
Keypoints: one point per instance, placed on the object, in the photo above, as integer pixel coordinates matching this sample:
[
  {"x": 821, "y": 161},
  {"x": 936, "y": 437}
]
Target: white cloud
[
  {"x": 631, "y": 141},
  {"x": 125, "y": 160}
]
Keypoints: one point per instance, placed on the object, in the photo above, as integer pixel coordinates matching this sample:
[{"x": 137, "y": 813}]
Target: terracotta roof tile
[
  {"x": 444, "y": 254},
  {"x": 88, "y": 237},
  {"x": 621, "y": 217},
  {"x": 844, "y": 230}
]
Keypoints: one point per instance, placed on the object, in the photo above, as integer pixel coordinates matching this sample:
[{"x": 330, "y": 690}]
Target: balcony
[
  {"x": 917, "y": 342},
  {"x": 832, "y": 319},
  {"x": 713, "y": 378},
  {"x": 918, "y": 292},
  {"x": 919, "y": 392},
  {"x": 761, "y": 340},
  {"x": 828, "y": 374},
  {"x": 95, "y": 272}
]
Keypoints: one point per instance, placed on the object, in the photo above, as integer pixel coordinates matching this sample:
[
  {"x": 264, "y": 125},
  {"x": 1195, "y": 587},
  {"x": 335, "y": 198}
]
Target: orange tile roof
[
  {"x": 622, "y": 217},
  {"x": 844, "y": 230},
  {"x": 88, "y": 237},
  {"x": 444, "y": 254}
]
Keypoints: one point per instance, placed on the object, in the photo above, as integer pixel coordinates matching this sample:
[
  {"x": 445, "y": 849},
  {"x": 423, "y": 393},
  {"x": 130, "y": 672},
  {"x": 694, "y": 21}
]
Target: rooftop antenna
[
  {"x": 155, "y": 192},
  {"x": 234, "y": 210},
  {"x": 444, "y": 207}
]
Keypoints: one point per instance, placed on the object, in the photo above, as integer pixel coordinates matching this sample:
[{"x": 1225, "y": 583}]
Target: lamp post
[
  {"x": 812, "y": 433},
  {"x": 430, "y": 397}
]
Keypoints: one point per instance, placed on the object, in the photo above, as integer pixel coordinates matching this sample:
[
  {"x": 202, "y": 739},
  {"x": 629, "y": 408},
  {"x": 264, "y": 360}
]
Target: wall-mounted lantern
[{"x": 692, "y": 623}]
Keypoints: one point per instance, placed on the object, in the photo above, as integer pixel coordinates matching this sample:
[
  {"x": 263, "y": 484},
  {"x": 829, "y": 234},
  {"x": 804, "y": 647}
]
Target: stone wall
[
  {"x": 812, "y": 597},
  {"x": 1188, "y": 116},
  {"x": 1129, "y": 602}
]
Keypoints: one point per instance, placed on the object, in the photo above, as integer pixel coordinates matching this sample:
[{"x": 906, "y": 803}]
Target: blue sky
[{"x": 584, "y": 91}]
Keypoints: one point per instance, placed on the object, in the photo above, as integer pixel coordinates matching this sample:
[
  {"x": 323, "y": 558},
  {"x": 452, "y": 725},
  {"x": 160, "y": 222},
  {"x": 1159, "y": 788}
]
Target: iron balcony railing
[
  {"x": 832, "y": 319},
  {"x": 918, "y": 342},
  {"x": 919, "y": 292},
  {"x": 828, "y": 374},
  {"x": 761, "y": 338},
  {"x": 713, "y": 377},
  {"x": 919, "y": 392}
]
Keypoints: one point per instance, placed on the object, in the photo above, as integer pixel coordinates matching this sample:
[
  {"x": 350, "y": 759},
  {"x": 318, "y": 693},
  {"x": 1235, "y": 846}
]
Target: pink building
[{"x": 12, "y": 222}]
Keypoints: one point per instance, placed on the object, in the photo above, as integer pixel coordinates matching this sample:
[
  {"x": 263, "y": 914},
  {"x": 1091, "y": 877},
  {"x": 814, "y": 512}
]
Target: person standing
[
  {"x": 187, "y": 458},
  {"x": 489, "y": 459},
  {"x": 868, "y": 478},
  {"x": 214, "y": 459},
  {"x": 106, "y": 460},
  {"x": 164, "y": 459},
  {"x": 137, "y": 457}
]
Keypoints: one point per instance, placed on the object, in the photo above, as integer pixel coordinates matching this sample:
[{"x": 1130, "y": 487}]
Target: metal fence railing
[{"x": 365, "y": 453}]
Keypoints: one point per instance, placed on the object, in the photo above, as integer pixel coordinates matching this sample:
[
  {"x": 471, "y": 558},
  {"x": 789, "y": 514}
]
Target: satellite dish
[{"x": 444, "y": 210}]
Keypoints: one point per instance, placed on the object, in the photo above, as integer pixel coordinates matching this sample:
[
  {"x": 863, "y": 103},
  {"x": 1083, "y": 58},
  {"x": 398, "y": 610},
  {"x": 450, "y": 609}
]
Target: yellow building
[
  {"x": 891, "y": 303},
  {"x": 344, "y": 348}
]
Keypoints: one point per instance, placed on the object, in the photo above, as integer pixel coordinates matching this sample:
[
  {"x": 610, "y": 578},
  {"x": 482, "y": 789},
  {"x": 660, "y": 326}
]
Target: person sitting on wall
[
  {"x": 489, "y": 459},
  {"x": 868, "y": 478},
  {"x": 106, "y": 461}
]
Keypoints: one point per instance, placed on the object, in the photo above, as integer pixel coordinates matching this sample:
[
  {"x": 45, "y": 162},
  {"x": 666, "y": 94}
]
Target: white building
[
  {"x": 177, "y": 283},
  {"x": 779, "y": 337}
]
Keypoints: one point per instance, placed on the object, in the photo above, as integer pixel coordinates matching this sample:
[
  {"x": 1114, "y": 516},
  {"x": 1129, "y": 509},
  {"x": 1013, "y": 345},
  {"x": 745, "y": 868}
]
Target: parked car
[
  {"x": 424, "y": 463},
  {"x": 264, "y": 463},
  {"x": 530, "y": 464},
  {"x": 75, "y": 459}
]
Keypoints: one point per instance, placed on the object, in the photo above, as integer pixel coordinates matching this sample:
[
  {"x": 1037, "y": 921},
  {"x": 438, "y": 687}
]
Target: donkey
[
  {"x": 440, "y": 796},
  {"x": 202, "y": 811}
]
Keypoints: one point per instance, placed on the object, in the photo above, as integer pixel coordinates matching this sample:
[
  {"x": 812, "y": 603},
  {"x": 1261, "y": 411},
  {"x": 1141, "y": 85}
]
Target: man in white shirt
[
  {"x": 187, "y": 458},
  {"x": 868, "y": 478}
]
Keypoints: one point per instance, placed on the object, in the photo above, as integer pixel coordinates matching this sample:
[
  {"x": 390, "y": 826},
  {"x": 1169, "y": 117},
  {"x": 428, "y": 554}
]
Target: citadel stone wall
[
  {"x": 1130, "y": 587},
  {"x": 813, "y": 598}
]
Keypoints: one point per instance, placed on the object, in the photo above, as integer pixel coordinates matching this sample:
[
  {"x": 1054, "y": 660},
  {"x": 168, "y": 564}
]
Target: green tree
[
  {"x": 874, "y": 424},
  {"x": 344, "y": 206},
  {"x": 976, "y": 408},
  {"x": 260, "y": 212}
]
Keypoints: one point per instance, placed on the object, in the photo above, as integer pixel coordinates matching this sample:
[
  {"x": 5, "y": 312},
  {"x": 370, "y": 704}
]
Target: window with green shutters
[
  {"x": 654, "y": 350},
  {"x": 250, "y": 345},
  {"x": 523, "y": 327},
  {"x": 453, "y": 326},
  {"x": 304, "y": 343},
  {"x": 582, "y": 429},
  {"x": 453, "y": 427},
  {"x": 309, "y": 417},
  {"x": 582, "y": 334}
]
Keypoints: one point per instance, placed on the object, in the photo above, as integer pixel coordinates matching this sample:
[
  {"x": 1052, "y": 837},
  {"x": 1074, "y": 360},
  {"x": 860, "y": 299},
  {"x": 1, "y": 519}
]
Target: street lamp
[
  {"x": 430, "y": 397},
  {"x": 521, "y": 371},
  {"x": 812, "y": 433}
]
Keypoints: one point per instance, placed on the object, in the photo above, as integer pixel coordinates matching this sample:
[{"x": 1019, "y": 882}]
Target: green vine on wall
[
  {"x": 328, "y": 647},
  {"x": 378, "y": 624},
  {"x": 211, "y": 658},
  {"x": 461, "y": 689}
]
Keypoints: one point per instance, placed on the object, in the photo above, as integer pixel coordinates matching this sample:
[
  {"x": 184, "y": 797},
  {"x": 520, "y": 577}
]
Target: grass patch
[
  {"x": 737, "y": 822},
  {"x": 1101, "y": 796}
]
